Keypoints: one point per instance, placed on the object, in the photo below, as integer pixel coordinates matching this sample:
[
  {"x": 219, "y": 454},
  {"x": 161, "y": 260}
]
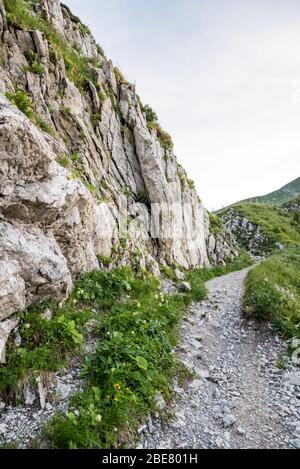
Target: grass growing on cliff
[
  {"x": 278, "y": 227},
  {"x": 216, "y": 225},
  {"x": 23, "y": 102},
  {"x": 19, "y": 14},
  {"x": 153, "y": 124},
  {"x": 273, "y": 292},
  {"x": 133, "y": 360}
]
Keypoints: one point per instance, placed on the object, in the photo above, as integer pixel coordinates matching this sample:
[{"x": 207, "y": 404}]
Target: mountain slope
[
  {"x": 281, "y": 195},
  {"x": 260, "y": 228}
]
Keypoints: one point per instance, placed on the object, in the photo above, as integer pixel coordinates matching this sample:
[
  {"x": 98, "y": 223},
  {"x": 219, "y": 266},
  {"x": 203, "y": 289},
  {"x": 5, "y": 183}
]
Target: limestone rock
[
  {"x": 185, "y": 287},
  {"x": 6, "y": 327}
]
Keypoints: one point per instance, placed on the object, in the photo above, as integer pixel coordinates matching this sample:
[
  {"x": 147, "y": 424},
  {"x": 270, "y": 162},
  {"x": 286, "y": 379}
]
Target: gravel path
[{"x": 239, "y": 398}]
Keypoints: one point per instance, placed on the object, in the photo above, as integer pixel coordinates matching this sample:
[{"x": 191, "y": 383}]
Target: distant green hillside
[{"x": 281, "y": 195}]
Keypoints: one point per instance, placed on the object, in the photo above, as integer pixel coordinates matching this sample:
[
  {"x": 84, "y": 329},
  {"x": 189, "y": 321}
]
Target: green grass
[
  {"x": 216, "y": 225},
  {"x": 137, "y": 331},
  {"x": 277, "y": 226},
  {"x": 96, "y": 119},
  {"x": 23, "y": 102},
  {"x": 273, "y": 292}
]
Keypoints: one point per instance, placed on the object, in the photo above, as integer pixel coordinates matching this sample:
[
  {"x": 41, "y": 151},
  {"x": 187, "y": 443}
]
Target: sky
[{"x": 224, "y": 79}]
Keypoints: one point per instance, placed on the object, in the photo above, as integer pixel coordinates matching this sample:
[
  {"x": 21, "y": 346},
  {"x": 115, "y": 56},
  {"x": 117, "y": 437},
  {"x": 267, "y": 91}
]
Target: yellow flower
[{"x": 117, "y": 387}]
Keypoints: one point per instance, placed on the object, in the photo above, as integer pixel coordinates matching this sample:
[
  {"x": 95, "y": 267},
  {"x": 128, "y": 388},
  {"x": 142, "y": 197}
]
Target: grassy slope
[
  {"x": 279, "y": 196},
  {"x": 273, "y": 287},
  {"x": 278, "y": 226},
  {"x": 273, "y": 292}
]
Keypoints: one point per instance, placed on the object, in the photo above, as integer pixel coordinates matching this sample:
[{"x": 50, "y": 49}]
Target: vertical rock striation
[{"x": 81, "y": 166}]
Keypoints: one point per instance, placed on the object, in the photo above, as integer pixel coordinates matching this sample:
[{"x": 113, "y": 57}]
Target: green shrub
[{"x": 151, "y": 115}]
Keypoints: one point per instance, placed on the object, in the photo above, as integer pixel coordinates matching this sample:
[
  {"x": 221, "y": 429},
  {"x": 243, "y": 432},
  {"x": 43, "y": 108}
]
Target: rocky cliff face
[{"x": 81, "y": 163}]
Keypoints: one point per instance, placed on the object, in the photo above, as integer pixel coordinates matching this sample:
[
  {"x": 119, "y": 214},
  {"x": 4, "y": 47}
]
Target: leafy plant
[{"x": 137, "y": 332}]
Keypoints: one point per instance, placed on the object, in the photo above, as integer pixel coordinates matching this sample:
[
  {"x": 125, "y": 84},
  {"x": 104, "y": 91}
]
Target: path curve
[{"x": 239, "y": 398}]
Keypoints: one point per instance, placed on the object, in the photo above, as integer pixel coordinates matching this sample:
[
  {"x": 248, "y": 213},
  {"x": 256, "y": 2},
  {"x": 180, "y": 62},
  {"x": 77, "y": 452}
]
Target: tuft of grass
[
  {"x": 35, "y": 64},
  {"x": 23, "y": 102},
  {"x": 273, "y": 292},
  {"x": 216, "y": 225},
  {"x": 96, "y": 119},
  {"x": 142, "y": 197},
  {"x": 153, "y": 124},
  {"x": 64, "y": 161},
  {"x": 151, "y": 115},
  {"x": 121, "y": 80},
  {"x": 164, "y": 138}
]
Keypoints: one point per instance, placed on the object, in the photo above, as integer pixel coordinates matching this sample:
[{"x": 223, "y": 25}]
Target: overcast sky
[{"x": 224, "y": 78}]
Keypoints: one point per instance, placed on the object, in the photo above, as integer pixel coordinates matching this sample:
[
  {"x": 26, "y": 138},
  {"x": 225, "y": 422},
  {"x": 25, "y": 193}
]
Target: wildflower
[
  {"x": 117, "y": 387},
  {"x": 99, "y": 418},
  {"x": 27, "y": 326}
]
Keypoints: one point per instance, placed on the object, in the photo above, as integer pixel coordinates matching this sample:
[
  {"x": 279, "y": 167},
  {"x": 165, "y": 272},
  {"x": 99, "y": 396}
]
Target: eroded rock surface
[{"x": 83, "y": 187}]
